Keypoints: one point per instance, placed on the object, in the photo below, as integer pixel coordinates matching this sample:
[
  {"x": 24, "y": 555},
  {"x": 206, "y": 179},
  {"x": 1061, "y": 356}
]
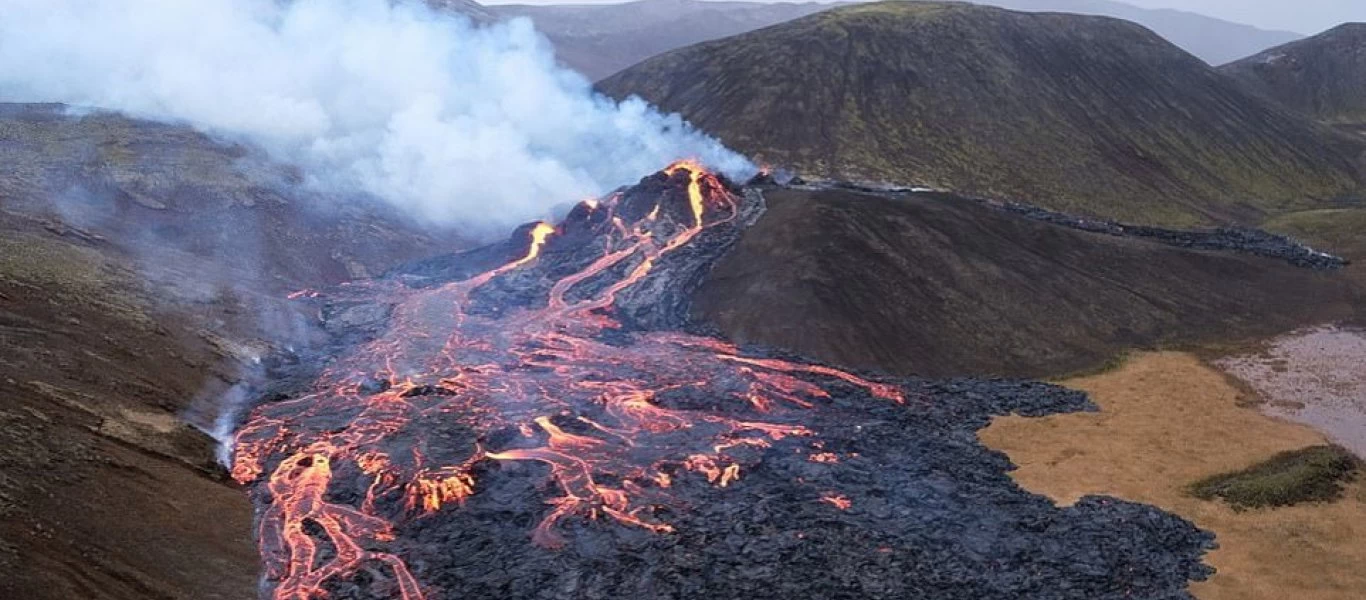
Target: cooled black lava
[{"x": 532, "y": 420}]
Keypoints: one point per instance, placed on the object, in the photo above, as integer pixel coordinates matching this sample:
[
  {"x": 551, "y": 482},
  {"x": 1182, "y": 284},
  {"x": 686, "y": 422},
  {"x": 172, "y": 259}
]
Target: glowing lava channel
[{"x": 591, "y": 411}]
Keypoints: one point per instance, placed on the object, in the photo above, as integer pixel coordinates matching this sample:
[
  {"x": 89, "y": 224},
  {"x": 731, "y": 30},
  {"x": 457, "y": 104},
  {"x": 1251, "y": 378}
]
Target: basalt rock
[{"x": 1233, "y": 239}]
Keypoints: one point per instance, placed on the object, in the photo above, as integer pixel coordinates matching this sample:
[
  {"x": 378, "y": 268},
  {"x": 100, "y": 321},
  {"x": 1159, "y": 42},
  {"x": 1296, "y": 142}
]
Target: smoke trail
[{"x": 464, "y": 125}]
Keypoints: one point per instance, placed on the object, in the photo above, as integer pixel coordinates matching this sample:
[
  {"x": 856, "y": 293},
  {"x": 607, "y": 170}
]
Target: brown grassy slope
[
  {"x": 936, "y": 285},
  {"x": 104, "y": 493},
  {"x": 1166, "y": 421},
  {"x": 1339, "y": 231},
  {"x": 1082, "y": 114}
]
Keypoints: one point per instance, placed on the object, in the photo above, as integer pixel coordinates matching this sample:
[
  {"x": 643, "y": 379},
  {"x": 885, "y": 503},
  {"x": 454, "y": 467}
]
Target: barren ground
[{"x": 1166, "y": 420}]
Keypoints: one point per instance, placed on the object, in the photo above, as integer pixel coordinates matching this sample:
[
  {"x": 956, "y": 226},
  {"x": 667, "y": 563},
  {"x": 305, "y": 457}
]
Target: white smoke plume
[{"x": 469, "y": 126}]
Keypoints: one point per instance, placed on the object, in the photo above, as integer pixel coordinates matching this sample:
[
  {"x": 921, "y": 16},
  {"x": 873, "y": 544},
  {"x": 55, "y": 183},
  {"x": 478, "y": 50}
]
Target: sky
[{"x": 1302, "y": 16}]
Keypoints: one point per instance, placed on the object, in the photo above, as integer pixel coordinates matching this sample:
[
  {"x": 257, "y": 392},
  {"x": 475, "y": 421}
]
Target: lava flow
[{"x": 526, "y": 362}]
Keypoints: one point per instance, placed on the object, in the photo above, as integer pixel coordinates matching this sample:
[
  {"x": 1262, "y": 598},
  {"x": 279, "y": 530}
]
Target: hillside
[
  {"x": 936, "y": 285},
  {"x": 601, "y": 39},
  {"x": 154, "y": 189},
  {"x": 1324, "y": 76},
  {"x": 1215, "y": 41},
  {"x": 144, "y": 269},
  {"x": 1083, "y": 114}
]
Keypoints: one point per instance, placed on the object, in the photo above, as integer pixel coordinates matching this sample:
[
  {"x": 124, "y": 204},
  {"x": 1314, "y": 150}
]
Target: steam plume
[{"x": 466, "y": 125}]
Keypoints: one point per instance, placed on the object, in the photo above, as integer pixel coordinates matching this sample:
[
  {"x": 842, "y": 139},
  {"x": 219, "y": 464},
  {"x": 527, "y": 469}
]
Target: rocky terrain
[
  {"x": 543, "y": 439},
  {"x": 1236, "y": 239},
  {"x": 1087, "y": 115},
  {"x": 1323, "y": 76}
]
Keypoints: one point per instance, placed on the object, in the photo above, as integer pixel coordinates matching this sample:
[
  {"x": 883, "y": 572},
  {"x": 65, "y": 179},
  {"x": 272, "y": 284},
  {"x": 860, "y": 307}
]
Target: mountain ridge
[
  {"x": 1083, "y": 114},
  {"x": 1323, "y": 76},
  {"x": 598, "y": 40},
  {"x": 1216, "y": 41}
]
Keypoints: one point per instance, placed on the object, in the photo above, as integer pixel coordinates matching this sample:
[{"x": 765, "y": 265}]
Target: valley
[
  {"x": 1059, "y": 301},
  {"x": 1167, "y": 420}
]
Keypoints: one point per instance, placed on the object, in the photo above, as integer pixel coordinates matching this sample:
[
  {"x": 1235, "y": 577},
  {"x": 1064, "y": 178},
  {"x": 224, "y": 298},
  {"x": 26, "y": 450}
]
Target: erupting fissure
[{"x": 616, "y": 424}]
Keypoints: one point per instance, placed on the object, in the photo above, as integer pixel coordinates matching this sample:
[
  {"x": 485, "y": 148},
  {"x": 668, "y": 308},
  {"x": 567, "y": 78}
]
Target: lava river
[{"x": 552, "y": 381}]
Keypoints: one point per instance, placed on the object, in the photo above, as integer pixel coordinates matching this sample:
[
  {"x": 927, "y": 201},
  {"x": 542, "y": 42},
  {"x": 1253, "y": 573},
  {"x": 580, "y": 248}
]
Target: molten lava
[{"x": 616, "y": 425}]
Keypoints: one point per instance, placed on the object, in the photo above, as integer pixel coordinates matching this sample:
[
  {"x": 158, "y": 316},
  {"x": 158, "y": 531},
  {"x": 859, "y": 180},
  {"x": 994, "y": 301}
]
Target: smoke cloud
[{"x": 462, "y": 125}]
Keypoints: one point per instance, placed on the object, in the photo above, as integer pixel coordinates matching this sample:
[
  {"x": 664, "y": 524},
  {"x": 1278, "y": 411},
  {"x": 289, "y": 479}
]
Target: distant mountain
[
  {"x": 1083, "y": 114},
  {"x": 1213, "y": 40},
  {"x": 475, "y": 11},
  {"x": 600, "y": 39},
  {"x": 1324, "y": 76}
]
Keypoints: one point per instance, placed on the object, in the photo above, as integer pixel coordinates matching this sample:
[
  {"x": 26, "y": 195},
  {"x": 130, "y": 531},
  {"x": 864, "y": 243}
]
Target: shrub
[{"x": 1313, "y": 474}]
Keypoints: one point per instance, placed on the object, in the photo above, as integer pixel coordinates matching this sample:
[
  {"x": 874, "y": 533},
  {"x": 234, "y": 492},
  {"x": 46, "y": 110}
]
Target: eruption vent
[{"x": 530, "y": 421}]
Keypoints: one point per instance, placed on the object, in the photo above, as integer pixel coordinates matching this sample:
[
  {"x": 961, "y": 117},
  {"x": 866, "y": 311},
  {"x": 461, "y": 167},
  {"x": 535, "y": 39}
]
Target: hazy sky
[{"x": 1303, "y": 16}]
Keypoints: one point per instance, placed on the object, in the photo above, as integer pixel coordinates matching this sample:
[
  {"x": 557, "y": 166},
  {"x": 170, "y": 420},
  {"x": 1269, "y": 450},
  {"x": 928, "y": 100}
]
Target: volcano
[
  {"x": 539, "y": 419},
  {"x": 1088, "y": 115}
]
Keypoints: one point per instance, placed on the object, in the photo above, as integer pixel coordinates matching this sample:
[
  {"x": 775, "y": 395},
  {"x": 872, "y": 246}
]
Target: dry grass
[{"x": 1166, "y": 421}]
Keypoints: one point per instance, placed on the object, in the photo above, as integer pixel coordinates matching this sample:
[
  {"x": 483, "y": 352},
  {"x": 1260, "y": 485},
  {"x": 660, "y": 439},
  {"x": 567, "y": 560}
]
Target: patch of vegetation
[
  {"x": 1313, "y": 474},
  {"x": 70, "y": 276}
]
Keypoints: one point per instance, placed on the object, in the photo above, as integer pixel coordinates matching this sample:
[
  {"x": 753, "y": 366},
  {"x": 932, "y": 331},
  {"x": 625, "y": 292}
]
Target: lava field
[{"x": 538, "y": 419}]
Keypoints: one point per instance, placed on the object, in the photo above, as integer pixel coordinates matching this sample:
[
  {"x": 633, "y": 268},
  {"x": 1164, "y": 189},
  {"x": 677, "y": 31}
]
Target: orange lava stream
[
  {"x": 616, "y": 427},
  {"x": 837, "y": 501}
]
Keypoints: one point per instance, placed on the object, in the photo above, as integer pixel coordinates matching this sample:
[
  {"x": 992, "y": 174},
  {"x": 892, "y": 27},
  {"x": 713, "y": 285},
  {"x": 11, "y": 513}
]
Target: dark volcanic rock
[
  {"x": 1234, "y": 239},
  {"x": 854, "y": 489},
  {"x": 340, "y": 318},
  {"x": 933, "y": 515},
  {"x": 662, "y": 300}
]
